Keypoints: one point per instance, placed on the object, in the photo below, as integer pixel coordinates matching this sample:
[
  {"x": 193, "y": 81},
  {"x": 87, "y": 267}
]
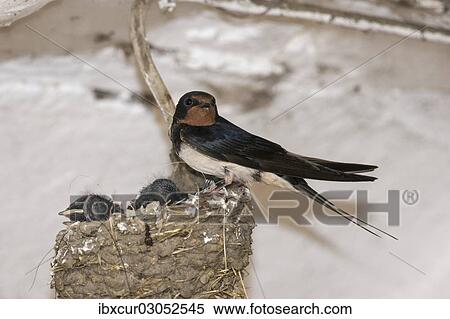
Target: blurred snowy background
[{"x": 66, "y": 128}]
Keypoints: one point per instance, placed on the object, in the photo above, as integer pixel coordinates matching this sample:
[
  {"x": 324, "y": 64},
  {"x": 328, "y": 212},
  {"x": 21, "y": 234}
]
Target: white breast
[{"x": 210, "y": 166}]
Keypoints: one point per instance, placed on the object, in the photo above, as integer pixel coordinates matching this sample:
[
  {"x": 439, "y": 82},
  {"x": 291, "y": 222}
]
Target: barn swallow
[
  {"x": 91, "y": 207},
  {"x": 161, "y": 190},
  {"x": 212, "y": 145},
  {"x": 75, "y": 210}
]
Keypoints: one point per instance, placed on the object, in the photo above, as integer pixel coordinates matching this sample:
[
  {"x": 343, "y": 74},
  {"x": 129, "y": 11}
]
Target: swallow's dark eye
[{"x": 188, "y": 102}]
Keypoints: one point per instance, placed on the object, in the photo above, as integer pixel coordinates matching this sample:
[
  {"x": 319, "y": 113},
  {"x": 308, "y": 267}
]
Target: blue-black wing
[{"x": 227, "y": 142}]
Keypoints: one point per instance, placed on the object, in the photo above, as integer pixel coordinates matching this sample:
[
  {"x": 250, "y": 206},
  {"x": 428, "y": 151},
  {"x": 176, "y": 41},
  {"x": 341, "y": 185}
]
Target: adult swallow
[{"x": 212, "y": 145}]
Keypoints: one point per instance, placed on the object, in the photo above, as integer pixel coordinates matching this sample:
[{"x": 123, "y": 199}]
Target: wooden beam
[{"x": 401, "y": 17}]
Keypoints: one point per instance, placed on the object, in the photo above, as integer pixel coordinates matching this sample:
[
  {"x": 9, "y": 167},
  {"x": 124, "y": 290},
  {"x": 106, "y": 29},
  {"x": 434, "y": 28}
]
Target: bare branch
[{"x": 145, "y": 62}]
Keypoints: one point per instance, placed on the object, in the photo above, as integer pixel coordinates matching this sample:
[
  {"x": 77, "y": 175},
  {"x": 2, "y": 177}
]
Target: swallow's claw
[{"x": 229, "y": 177}]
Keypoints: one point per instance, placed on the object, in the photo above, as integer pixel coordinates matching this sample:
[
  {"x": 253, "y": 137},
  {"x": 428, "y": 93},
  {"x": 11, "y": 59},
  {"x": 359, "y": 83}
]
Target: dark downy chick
[
  {"x": 92, "y": 207},
  {"x": 161, "y": 190}
]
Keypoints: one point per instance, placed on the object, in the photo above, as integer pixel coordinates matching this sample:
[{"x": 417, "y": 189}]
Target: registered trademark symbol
[{"x": 410, "y": 197}]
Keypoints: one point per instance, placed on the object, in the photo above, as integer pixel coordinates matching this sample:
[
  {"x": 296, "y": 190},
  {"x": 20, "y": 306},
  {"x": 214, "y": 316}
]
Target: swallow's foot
[
  {"x": 209, "y": 186},
  {"x": 229, "y": 177}
]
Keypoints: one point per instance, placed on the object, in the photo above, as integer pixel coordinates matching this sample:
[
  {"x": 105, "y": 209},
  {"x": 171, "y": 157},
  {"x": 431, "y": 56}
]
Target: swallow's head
[{"x": 196, "y": 108}]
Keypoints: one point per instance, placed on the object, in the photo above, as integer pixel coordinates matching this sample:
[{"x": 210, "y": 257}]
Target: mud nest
[{"x": 198, "y": 248}]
